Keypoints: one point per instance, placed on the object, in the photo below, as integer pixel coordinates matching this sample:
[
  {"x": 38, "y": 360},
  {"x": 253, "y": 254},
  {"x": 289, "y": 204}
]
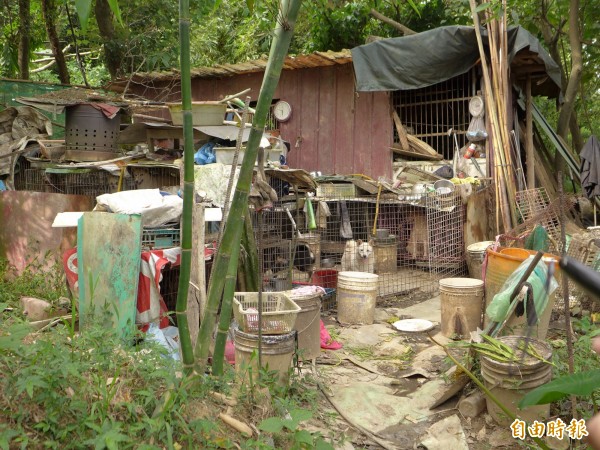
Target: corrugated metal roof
[{"x": 317, "y": 59}]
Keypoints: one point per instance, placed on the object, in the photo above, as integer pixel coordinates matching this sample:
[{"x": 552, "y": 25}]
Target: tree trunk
[
  {"x": 112, "y": 51},
  {"x": 576, "y": 138},
  {"x": 48, "y": 12},
  {"x": 24, "y": 29},
  {"x": 570, "y": 87},
  {"x": 398, "y": 26}
]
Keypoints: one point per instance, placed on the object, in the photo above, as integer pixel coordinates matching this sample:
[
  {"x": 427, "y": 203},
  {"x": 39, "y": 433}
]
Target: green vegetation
[
  {"x": 48, "y": 284},
  {"x": 62, "y": 389}
]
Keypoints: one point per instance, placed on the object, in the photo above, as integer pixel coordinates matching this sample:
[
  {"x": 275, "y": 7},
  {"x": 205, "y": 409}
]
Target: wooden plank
[
  {"x": 197, "y": 288},
  {"x": 401, "y": 131},
  {"x": 309, "y": 100},
  {"x": 108, "y": 256},
  {"x": 344, "y": 120},
  {"x": 396, "y": 149},
  {"x": 422, "y": 147},
  {"x": 363, "y": 118},
  {"x": 326, "y": 137},
  {"x": 382, "y": 136},
  {"x": 366, "y": 185}
]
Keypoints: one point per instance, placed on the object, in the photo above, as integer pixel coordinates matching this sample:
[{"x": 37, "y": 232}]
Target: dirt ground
[{"x": 376, "y": 391}]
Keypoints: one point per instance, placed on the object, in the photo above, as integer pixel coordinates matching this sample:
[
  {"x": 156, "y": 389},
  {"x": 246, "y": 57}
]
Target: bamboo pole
[
  {"x": 505, "y": 200},
  {"x": 187, "y": 350},
  {"x": 529, "y": 150},
  {"x": 233, "y": 229},
  {"x": 226, "y": 310}
]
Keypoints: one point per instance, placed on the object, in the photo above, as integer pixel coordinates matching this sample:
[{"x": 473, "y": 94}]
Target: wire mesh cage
[
  {"x": 83, "y": 182},
  {"x": 147, "y": 177},
  {"x": 410, "y": 245},
  {"x": 537, "y": 209}
]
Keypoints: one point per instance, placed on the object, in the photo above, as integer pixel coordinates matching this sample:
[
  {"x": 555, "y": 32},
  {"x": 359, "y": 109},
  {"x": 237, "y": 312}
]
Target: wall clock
[{"x": 282, "y": 111}]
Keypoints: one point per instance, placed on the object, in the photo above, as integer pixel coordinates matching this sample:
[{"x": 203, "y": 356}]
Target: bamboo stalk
[
  {"x": 506, "y": 192},
  {"x": 233, "y": 230},
  {"x": 187, "y": 350},
  {"x": 529, "y": 149},
  {"x": 225, "y": 317},
  {"x": 249, "y": 244}
]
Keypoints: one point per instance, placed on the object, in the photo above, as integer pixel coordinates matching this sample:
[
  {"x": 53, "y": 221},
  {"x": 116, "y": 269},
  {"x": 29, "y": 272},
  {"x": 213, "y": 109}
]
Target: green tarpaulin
[
  {"x": 11, "y": 89},
  {"x": 433, "y": 56}
]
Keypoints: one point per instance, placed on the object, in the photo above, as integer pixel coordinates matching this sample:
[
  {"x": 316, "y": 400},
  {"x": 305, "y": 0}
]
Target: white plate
[{"x": 413, "y": 325}]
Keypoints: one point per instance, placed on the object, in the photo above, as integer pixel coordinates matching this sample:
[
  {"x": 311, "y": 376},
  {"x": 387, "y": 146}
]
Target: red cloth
[
  {"x": 150, "y": 304},
  {"x": 110, "y": 111},
  {"x": 326, "y": 341}
]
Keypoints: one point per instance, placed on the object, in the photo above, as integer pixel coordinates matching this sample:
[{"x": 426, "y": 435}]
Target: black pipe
[{"x": 581, "y": 274}]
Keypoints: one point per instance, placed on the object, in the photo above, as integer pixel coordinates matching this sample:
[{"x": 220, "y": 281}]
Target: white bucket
[
  {"x": 356, "y": 297},
  {"x": 475, "y": 257},
  {"x": 461, "y": 304}
]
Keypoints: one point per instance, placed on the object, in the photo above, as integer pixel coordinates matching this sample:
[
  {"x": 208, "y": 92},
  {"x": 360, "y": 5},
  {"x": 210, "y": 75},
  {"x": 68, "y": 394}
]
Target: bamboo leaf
[
  {"x": 83, "y": 7},
  {"x": 414, "y": 7},
  {"x": 582, "y": 384},
  {"x": 482, "y": 7},
  {"x": 250, "y": 4},
  {"x": 114, "y": 6}
]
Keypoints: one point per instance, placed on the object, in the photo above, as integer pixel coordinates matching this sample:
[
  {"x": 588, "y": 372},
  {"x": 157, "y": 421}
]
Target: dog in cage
[{"x": 358, "y": 256}]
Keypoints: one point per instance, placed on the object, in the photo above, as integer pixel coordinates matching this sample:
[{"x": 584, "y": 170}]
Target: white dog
[{"x": 358, "y": 257}]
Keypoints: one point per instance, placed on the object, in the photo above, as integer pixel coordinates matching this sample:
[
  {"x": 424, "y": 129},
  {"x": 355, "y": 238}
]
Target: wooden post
[
  {"x": 197, "y": 287},
  {"x": 473, "y": 405},
  {"x": 529, "y": 150}
]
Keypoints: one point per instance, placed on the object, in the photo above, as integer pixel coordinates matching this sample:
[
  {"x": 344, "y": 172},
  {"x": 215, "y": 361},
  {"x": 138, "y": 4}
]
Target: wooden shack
[{"x": 342, "y": 122}]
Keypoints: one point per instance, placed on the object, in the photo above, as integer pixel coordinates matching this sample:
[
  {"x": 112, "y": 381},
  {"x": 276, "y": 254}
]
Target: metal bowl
[
  {"x": 443, "y": 187},
  {"x": 327, "y": 263}
]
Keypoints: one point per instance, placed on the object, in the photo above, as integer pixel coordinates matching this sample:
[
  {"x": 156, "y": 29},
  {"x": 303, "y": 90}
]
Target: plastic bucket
[
  {"x": 276, "y": 354},
  {"x": 519, "y": 253},
  {"x": 385, "y": 252},
  {"x": 510, "y": 382},
  {"x": 308, "y": 326},
  {"x": 326, "y": 278},
  {"x": 500, "y": 266},
  {"x": 356, "y": 297},
  {"x": 461, "y": 301},
  {"x": 475, "y": 257}
]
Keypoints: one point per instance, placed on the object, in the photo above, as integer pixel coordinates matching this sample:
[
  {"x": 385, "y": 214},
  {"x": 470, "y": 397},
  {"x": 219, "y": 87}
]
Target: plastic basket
[
  {"x": 336, "y": 190},
  {"x": 278, "y": 316},
  {"x": 158, "y": 238}
]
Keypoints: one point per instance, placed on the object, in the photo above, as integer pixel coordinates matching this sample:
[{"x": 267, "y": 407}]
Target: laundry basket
[{"x": 279, "y": 312}]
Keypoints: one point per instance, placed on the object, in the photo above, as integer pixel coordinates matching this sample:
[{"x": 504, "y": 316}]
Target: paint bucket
[
  {"x": 308, "y": 325},
  {"x": 509, "y": 382},
  {"x": 276, "y": 354},
  {"x": 461, "y": 301},
  {"x": 475, "y": 257},
  {"x": 326, "y": 278},
  {"x": 385, "y": 252},
  {"x": 500, "y": 265},
  {"x": 356, "y": 297}
]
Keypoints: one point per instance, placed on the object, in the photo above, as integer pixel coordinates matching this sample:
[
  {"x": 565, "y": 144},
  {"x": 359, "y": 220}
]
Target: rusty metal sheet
[{"x": 26, "y": 233}]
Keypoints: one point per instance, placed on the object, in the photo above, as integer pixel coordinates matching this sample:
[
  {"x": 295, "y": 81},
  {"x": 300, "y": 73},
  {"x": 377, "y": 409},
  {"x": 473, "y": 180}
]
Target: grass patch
[{"x": 62, "y": 389}]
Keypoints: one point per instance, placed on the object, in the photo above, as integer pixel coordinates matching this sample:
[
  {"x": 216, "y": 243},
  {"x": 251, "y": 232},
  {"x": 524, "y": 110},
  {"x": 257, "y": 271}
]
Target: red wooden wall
[{"x": 333, "y": 129}]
